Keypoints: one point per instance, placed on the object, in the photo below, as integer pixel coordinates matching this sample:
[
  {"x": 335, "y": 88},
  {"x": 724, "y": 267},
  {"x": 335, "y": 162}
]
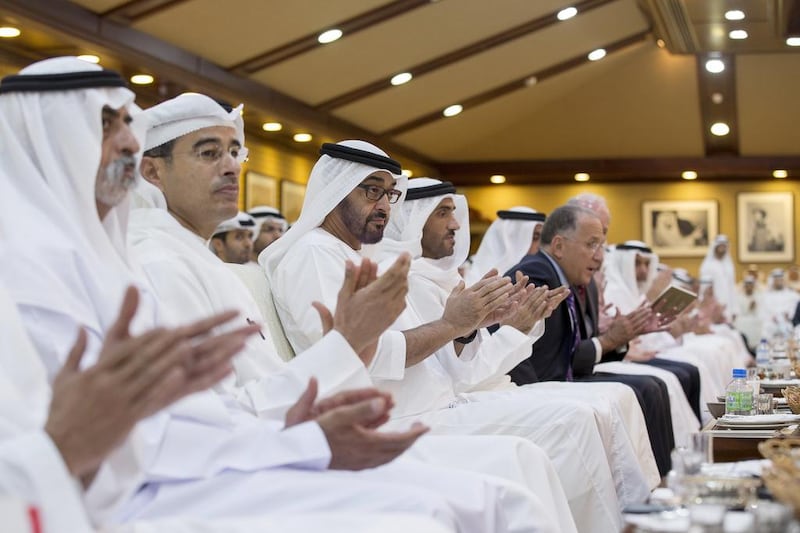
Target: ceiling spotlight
[
  {"x": 720, "y": 129},
  {"x": 595, "y": 55},
  {"x": 89, "y": 58},
  {"x": 497, "y": 179},
  {"x": 142, "y": 79},
  {"x": 530, "y": 81},
  {"x": 780, "y": 174},
  {"x": 689, "y": 175},
  {"x": 453, "y": 110},
  {"x": 329, "y": 36},
  {"x": 660, "y": 43},
  {"x": 302, "y": 137},
  {"x": 715, "y": 66},
  {"x": 717, "y": 98},
  {"x": 734, "y": 14},
  {"x": 737, "y": 34},
  {"x": 793, "y": 41},
  {"x": 9, "y": 32},
  {"x": 272, "y": 126},
  {"x": 581, "y": 176},
  {"x": 407, "y": 173},
  {"x": 400, "y": 79},
  {"x": 567, "y": 13}
]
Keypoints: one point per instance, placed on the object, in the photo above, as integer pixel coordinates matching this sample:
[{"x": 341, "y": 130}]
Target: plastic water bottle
[
  {"x": 762, "y": 353},
  {"x": 739, "y": 395}
]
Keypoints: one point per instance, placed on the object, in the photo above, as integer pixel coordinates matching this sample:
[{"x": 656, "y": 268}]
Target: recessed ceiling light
[
  {"x": 595, "y": 55},
  {"x": 715, "y": 66},
  {"x": 660, "y": 43},
  {"x": 89, "y": 58},
  {"x": 8, "y": 32},
  {"x": 400, "y": 79},
  {"x": 581, "y": 176},
  {"x": 737, "y": 34},
  {"x": 407, "y": 173},
  {"x": 302, "y": 137},
  {"x": 453, "y": 110},
  {"x": 734, "y": 14},
  {"x": 530, "y": 81},
  {"x": 793, "y": 41},
  {"x": 497, "y": 179},
  {"x": 142, "y": 79},
  {"x": 720, "y": 129},
  {"x": 717, "y": 98},
  {"x": 780, "y": 174},
  {"x": 272, "y": 126},
  {"x": 329, "y": 36},
  {"x": 567, "y": 13},
  {"x": 689, "y": 175}
]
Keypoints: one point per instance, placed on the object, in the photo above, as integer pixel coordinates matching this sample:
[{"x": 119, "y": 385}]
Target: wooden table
[{"x": 739, "y": 444}]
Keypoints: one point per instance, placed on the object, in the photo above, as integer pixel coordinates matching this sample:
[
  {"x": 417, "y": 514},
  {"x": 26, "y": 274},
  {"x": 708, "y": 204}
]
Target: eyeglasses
[
  {"x": 592, "y": 245},
  {"x": 213, "y": 153},
  {"x": 375, "y": 193}
]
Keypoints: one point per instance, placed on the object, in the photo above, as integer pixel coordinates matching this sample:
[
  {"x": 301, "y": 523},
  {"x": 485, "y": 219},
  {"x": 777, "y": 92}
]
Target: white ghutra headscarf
[
  {"x": 331, "y": 180},
  {"x": 506, "y": 242},
  {"x": 68, "y": 262}
]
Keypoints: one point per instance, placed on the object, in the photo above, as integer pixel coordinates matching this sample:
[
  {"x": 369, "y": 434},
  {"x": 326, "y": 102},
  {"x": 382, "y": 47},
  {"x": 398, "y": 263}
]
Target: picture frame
[
  {"x": 680, "y": 228},
  {"x": 260, "y": 189},
  {"x": 292, "y": 195},
  {"x": 765, "y": 224}
]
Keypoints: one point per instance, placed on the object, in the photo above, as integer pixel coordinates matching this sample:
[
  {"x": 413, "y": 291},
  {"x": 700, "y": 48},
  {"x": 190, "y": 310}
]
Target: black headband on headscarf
[
  {"x": 521, "y": 215},
  {"x": 264, "y": 215},
  {"x": 64, "y": 81},
  {"x": 361, "y": 156},
  {"x": 246, "y": 222},
  {"x": 439, "y": 189},
  {"x": 643, "y": 249}
]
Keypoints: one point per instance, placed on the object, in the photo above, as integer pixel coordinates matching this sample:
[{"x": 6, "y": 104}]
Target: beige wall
[{"x": 625, "y": 202}]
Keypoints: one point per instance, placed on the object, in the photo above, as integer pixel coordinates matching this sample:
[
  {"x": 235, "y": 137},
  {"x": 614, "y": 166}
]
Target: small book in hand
[{"x": 673, "y": 301}]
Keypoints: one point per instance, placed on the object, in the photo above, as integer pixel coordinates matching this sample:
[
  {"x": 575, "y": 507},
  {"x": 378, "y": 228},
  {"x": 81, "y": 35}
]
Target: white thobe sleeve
[
  {"x": 317, "y": 274},
  {"x": 264, "y": 383},
  {"x": 331, "y": 360},
  {"x": 31, "y": 468},
  {"x": 487, "y": 357}
]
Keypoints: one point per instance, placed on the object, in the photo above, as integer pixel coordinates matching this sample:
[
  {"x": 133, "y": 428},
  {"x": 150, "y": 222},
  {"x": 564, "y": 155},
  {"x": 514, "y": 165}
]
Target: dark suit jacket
[
  {"x": 547, "y": 361},
  {"x": 588, "y": 312}
]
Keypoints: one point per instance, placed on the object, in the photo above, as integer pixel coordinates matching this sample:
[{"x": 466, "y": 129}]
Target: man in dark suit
[{"x": 571, "y": 252}]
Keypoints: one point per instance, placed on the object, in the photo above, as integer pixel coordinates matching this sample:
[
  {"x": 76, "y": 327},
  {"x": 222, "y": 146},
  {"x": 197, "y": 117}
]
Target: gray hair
[
  {"x": 563, "y": 221},
  {"x": 589, "y": 201}
]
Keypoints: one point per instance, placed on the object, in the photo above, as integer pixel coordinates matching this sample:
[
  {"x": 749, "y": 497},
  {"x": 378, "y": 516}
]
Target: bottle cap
[{"x": 739, "y": 373}]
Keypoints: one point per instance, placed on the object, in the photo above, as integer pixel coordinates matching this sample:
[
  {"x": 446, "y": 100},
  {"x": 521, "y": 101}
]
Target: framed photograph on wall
[
  {"x": 765, "y": 221},
  {"x": 292, "y": 195},
  {"x": 260, "y": 189},
  {"x": 681, "y": 228}
]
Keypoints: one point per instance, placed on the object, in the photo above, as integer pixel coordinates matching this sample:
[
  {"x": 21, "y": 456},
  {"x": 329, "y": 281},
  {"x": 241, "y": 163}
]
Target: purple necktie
[{"x": 576, "y": 334}]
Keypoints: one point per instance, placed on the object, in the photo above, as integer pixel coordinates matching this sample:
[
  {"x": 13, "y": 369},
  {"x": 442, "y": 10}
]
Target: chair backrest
[{"x": 256, "y": 282}]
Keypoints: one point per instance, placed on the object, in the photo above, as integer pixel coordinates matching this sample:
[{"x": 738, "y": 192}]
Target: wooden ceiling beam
[
  {"x": 717, "y": 94},
  {"x": 136, "y": 10},
  {"x": 309, "y": 42},
  {"x": 172, "y": 63},
  {"x": 521, "y": 83},
  {"x": 465, "y": 52},
  {"x": 628, "y": 170}
]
